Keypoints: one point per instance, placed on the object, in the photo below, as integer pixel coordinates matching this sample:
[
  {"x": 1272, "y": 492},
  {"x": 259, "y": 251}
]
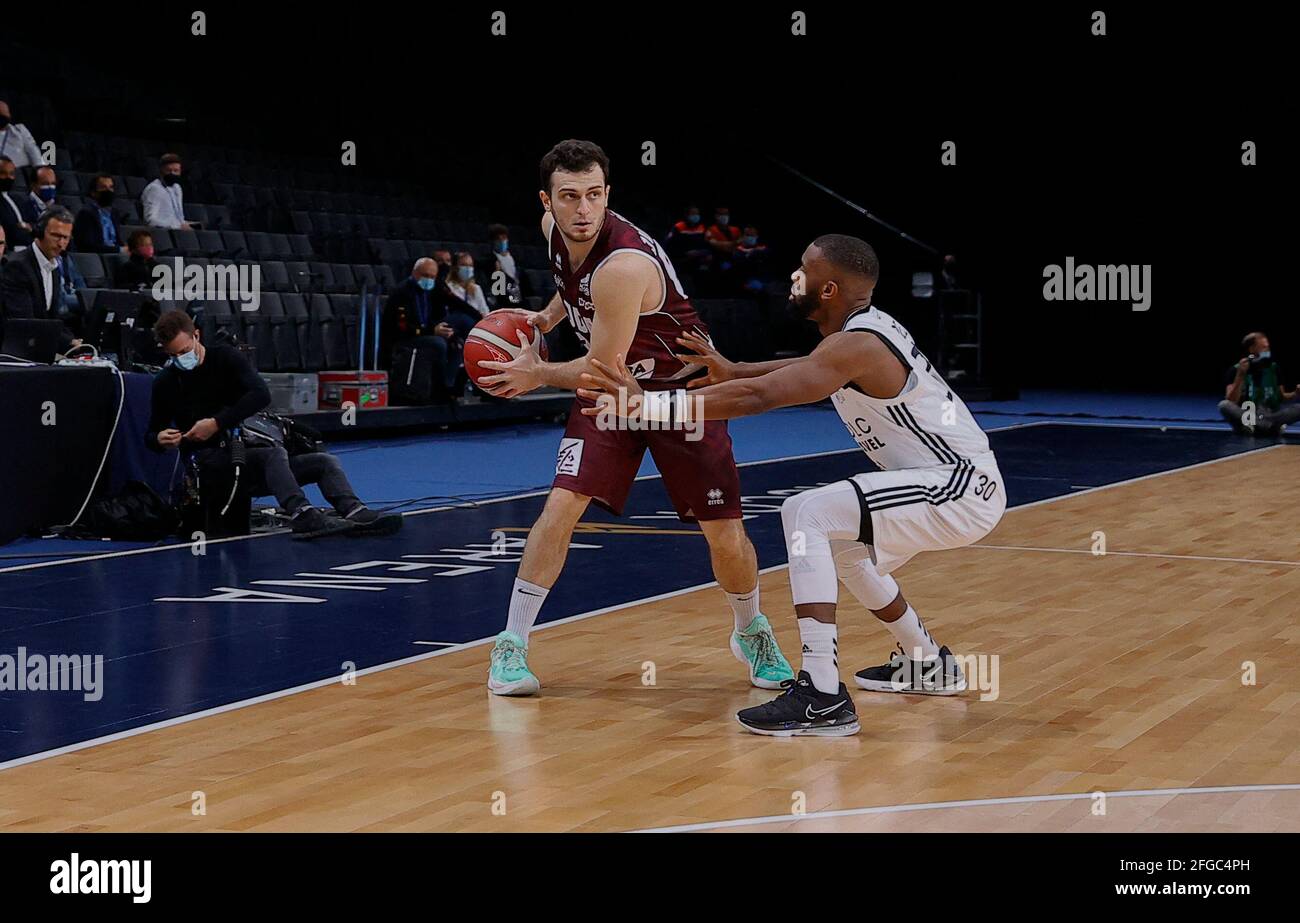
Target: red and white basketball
[{"x": 496, "y": 338}]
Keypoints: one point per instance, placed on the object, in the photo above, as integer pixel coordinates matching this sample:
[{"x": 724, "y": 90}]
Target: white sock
[
  {"x": 911, "y": 634},
  {"x": 820, "y": 654},
  {"x": 744, "y": 606},
  {"x": 525, "y": 602}
]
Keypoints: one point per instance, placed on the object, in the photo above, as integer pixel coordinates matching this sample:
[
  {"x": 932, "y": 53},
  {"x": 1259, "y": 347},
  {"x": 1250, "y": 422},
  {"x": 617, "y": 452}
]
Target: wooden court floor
[{"x": 1119, "y": 673}]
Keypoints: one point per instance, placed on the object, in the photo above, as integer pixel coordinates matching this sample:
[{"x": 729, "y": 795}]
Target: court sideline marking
[
  {"x": 971, "y": 803},
  {"x": 392, "y": 664}
]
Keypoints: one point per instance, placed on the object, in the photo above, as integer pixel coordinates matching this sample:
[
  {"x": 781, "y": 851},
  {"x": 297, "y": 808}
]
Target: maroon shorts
[{"x": 700, "y": 475}]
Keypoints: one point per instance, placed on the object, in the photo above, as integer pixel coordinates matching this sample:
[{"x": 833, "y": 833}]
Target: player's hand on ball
[
  {"x": 518, "y": 376},
  {"x": 536, "y": 319},
  {"x": 719, "y": 367}
]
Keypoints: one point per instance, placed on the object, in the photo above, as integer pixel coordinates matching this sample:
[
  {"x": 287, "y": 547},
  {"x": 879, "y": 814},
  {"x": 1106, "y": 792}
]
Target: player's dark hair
[
  {"x": 497, "y": 230},
  {"x": 138, "y": 236},
  {"x": 852, "y": 254},
  {"x": 1248, "y": 341},
  {"x": 573, "y": 157},
  {"x": 166, "y": 160}
]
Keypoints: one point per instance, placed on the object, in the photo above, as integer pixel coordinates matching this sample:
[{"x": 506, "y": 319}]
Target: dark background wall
[{"x": 1122, "y": 149}]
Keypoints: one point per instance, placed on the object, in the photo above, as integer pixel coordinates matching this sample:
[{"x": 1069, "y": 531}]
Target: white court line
[
  {"x": 329, "y": 681},
  {"x": 271, "y": 696},
  {"x": 972, "y": 803},
  {"x": 434, "y": 509},
  {"x": 1135, "y": 554}
]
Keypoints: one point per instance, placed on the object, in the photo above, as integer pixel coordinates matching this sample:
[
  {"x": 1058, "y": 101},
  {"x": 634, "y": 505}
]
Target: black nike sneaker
[
  {"x": 369, "y": 522},
  {"x": 802, "y": 710},
  {"x": 311, "y": 523},
  {"x": 940, "y": 675}
]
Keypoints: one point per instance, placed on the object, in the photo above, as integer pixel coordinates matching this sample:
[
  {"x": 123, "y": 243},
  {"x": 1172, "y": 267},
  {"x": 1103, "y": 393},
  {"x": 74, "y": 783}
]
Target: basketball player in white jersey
[{"x": 939, "y": 486}]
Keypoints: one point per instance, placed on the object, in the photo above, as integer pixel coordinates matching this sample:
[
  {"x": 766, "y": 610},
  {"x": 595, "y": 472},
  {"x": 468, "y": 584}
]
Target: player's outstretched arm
[
  {"x": 719, "y": 368},
  {"x": 839, "y": 359}
]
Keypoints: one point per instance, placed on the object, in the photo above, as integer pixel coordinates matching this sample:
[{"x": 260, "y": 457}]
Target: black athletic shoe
[
  {"x": 312, "y": 523},
  {"x": 369, "y": 522},
  {"x": 802, "y": 710},
  {"x": 940, "y": 675}
]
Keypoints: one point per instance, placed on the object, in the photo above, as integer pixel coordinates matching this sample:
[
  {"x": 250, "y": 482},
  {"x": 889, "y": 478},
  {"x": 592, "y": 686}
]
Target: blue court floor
[
  {"x": 432, "y": 470},
  {"x": 183, "y": 633}
]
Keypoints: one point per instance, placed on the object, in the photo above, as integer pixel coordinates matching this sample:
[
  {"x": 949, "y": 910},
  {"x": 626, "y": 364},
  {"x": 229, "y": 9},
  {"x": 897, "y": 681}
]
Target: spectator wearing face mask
[
  {"x": 752, "y": 262},
  {"x": 17, "y": 216},
  {"x": 442, "y": 260},
  {"x": 722, "y": 235},
  {"x": 16, "y": 142},
  {"x": 98, "y": 228},
  {"x": 43, "y": 189},
  {"x": 686, "y": 242},
  {"x": 137, "y": 271},
  {"x": 418, "y": 313},
  {"x": 163, "y": 200},
  {"x": 504, "y": 263},
  {"x": 1257, "y": 380},
  {"x": 463, "y": 286}
]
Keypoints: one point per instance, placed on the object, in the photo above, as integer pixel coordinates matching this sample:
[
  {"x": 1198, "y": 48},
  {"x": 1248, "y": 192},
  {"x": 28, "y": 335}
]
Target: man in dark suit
[
  {"x": 98, "y": 228},
  {"x": 31, "y": 282},
  {"x": 17, "y": 216},
  {"x": 423, "y": 312}
]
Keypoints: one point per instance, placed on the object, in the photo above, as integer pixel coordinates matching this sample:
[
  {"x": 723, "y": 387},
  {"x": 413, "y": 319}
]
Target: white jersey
[{"x": 925, "y": 426}]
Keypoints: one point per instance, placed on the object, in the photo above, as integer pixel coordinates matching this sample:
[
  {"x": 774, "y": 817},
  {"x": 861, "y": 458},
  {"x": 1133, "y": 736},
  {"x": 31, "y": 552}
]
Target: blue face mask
[
  {"x": 187, "y": 361},
  {"x": 47, "y": 193},
  {"x": 426, "y": 284},
  {"x": 692, "y": 219},
  {"x": 1266, "y": 354},
  {"x": 464, "y": 273},
  {"x": 501, "y": 246},
  {"x": 750, "y": 241}
]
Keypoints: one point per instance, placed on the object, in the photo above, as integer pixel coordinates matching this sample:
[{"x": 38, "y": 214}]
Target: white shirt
[
  {"x": 164, "y": 206},
  {"x": 476, "y": 301},
  {"x": 17, "y": 143},
  {"x": 47, "y": 274},
  {"x": 924, "y": 425},
  {"x": 507, "y": 263}
]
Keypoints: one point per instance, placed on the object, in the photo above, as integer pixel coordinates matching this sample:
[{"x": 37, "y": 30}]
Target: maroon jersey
[{"x": 651, "y": 357}]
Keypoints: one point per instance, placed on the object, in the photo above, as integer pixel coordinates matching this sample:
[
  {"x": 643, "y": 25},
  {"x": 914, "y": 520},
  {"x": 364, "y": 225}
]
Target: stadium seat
[{"x": 92, "y": 268}]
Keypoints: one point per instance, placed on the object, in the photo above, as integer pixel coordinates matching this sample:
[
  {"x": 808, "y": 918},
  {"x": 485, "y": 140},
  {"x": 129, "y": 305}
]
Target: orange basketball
[{"x": 496, "y": 338}]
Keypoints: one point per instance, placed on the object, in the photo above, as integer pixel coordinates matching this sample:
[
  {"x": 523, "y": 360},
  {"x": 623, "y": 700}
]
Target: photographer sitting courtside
[
  {"x": 1257, "y": 380},
  {"x": 207, "y": 390}
]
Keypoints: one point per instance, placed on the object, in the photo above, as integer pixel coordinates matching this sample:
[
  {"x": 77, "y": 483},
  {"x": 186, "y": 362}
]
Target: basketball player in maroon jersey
[{"x": 617, "y": 288}]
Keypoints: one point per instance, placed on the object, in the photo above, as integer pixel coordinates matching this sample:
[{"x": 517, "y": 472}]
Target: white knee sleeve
[
  {"x": 857, "y": 573},
  {"x": 811, "y": 520}
]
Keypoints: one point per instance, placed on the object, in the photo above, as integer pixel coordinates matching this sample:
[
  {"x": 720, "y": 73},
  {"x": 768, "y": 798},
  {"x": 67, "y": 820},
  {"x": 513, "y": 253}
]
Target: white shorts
[{"x": 928, "y": 509}]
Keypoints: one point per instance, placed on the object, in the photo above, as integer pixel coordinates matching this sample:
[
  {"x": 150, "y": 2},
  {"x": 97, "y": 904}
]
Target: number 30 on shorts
[{"x": 986, "y": 487}]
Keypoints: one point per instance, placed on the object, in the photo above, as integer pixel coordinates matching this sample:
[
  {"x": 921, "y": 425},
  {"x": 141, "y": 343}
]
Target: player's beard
[{"x": 803, "y": 305}]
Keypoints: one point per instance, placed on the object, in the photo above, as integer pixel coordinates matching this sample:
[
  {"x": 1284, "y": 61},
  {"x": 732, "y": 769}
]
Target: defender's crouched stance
[{"x": 939, "y": 486}]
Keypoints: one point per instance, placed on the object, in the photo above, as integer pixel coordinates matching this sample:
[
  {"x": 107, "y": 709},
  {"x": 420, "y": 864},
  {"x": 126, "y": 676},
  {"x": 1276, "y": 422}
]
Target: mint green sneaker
[
  {"x": 756, "y": 647},
  {"x": 509, "y": 673}
]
